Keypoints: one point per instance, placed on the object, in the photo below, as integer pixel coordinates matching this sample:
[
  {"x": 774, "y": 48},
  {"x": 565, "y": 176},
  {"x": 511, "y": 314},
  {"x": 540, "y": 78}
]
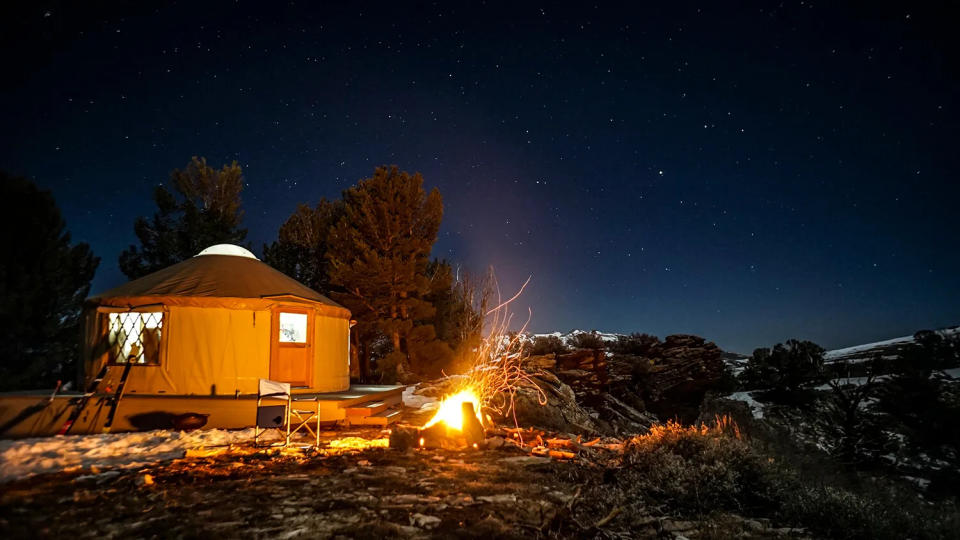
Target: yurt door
[{"x": 292, "y": 346}]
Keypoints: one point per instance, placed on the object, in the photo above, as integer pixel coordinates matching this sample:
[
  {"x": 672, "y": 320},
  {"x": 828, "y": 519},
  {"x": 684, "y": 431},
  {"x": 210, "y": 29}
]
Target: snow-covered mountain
[{"x": 569, "y": 336}]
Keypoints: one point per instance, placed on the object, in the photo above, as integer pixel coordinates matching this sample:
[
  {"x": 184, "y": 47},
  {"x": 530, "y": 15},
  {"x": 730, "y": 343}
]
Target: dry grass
[{"x": 673, "y": 431}]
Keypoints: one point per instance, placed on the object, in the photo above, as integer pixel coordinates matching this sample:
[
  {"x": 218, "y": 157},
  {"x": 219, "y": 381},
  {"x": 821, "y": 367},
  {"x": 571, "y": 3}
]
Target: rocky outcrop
[
  {"x": 669, "y": 378},
  {"x": 676, "y": 374},
  {"x": 681, "y": 366}
]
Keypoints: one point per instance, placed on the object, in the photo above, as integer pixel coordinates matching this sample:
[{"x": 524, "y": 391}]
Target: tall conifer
[
  {"x": 203, "y": 210},
  {"x": 379, "y": 252},
  {"x": 300, "y": 250},
  {"x": 44, "y": 278}
]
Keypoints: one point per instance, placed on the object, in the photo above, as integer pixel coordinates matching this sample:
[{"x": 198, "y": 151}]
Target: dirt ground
[
  {"x": 245, "y": 492},
  {"x": 371, "y": 493}
]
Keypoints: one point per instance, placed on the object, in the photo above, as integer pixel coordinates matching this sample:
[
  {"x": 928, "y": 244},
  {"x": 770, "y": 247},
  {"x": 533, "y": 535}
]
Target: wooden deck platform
[{"x": 34, "y": 414}]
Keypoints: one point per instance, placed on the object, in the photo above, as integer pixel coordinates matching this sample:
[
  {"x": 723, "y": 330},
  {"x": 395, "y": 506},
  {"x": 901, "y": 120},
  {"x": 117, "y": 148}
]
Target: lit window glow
[
  {"x": 135, "y": 337},
  {"x": 293, "y": 327}
]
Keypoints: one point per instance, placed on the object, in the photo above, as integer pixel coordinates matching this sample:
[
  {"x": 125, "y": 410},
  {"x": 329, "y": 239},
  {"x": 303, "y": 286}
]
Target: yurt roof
[{"x": 222, "y": 276}]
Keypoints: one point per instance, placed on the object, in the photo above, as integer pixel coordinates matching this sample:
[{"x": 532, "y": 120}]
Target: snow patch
[
  {"x": 416, "y": 401},
  {"x": 27, "y": 457},
  {"x": 756, "y": 408},
  {"x": 857, "y": 349},
  {"x": 854, "y": 381}
]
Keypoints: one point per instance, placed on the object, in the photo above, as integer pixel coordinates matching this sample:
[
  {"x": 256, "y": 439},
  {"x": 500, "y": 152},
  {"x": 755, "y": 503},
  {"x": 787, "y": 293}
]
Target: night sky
[{"x": 745, "y": 172}]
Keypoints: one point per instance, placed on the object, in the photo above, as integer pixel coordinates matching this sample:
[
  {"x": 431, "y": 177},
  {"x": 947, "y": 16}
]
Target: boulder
[{"x": 560, "y": 413}]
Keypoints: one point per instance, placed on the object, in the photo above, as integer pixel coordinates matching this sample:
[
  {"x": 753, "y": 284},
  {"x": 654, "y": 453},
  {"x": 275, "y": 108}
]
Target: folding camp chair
[{"x": 292, "y": 415}]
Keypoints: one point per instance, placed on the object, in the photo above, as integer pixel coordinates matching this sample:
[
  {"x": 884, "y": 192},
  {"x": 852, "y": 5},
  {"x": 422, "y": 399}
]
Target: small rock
[
  {"x": 670, "y": 525},
  {"x": 502, "y": 498},
  {"x": 525, "y": 460},
  {"x": 364, "y": 463},
  {"x": 559, "y": 497},
  {"x": 403, "y": 438},
  {"x": 494, "y": 443},
  {"x": 424, "y": 521}
]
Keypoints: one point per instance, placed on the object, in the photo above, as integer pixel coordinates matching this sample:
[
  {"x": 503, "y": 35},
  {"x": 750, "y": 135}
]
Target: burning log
[
  {"x": 561, "y": 454},
  {"x": 404, "y": 437},
  {"x": 440, "y": 435},
  {"x": 472, "y": 429}
]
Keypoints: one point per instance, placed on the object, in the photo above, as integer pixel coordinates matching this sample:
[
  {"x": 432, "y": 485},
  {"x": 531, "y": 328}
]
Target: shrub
[
  {"x": 390, "y": 367},
  {"x": 636, "y": 344},
  {"x": 875, "y": 511},
  {"x": 541, "y": 345},
  {"x": 584, "y": 340},
  {"x": 699, "y": 468}
]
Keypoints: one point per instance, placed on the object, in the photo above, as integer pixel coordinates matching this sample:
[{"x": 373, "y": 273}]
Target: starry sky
[{"x": 748, "y": 172}]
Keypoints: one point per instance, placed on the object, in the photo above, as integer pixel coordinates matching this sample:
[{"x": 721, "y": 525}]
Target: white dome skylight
[{"x": 228, "y": 249}]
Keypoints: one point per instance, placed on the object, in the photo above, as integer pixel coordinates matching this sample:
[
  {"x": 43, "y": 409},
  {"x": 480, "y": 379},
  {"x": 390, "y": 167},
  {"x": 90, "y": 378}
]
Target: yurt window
[
  {"x": 293, "y": 327},
  {"x": 135, "y": 337}
]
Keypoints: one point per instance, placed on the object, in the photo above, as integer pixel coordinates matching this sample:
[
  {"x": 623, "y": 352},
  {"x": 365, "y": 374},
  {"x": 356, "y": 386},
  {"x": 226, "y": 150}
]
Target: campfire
[
  {"x": 463, "y": 418},
  {"x": 451, "y": 411}
]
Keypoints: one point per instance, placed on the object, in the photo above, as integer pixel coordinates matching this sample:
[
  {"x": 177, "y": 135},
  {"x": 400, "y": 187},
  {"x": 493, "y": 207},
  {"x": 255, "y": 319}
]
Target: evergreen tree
[
  {"x": 460, "y": 302},
  {"x": 300, "y": 250},
  {"x": 919, "y": 395},
  {"x": 785, "y": 369},
  {"x": 379, "y": 252},
  {"x": 855, "y": 433},
  {"x": 43, "y": 282},
  {"x": 203, "y": 210}
]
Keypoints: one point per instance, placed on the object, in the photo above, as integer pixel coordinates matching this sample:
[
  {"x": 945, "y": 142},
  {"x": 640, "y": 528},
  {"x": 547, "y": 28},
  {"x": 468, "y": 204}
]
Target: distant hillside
[{"x": 889, "y": 348}]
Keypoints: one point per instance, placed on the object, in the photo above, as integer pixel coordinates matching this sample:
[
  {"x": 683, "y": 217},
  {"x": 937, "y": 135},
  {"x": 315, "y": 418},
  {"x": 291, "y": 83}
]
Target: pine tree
[
  {"x": 461, "y": 300},
  {"x": 203, "y": 210},
  {"x": 920, "y": 397},
  {"x": 300, "y": 250},
  {"x": 855, "y": 433},
  {"x": 43, "y": 282},
  {"x": 785, "y": 369},
  {"x": 379, "y": 252}
]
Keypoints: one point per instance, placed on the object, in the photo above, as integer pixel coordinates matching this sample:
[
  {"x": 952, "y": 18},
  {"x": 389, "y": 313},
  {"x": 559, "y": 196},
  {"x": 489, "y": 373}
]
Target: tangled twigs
[{"x": 496, "y": 375}]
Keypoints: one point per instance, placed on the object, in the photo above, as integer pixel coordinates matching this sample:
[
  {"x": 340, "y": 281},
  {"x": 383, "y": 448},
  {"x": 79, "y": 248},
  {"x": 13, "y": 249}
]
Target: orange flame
[{"x": 451, "y": 409}]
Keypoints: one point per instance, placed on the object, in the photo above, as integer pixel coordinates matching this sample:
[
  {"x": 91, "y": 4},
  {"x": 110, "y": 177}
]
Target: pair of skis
[
  {"x": 91, "y": 391},
  {"x": 30, "y": 411}
]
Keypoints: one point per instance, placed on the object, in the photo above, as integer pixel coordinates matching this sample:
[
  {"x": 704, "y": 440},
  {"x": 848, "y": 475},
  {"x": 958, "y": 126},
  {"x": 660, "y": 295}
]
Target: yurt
[
  {"x": 214, "y": 325},
  {"x": 186, "y": 346}
]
